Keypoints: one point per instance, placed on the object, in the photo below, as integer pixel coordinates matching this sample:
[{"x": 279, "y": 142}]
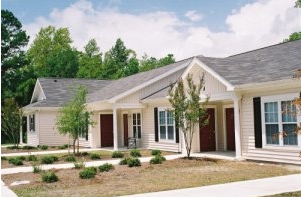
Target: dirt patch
[{"x": 179, "y": 173}]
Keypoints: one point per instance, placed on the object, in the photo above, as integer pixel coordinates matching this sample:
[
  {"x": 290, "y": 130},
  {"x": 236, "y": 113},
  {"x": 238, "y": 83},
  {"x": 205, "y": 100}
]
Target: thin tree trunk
[
  {"x": 74, "y": 140},
  {"x": 77, "y": 146}
]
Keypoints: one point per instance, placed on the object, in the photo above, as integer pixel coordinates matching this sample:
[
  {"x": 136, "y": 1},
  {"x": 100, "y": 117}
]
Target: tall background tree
[
  {"x": 119, "y": 62},
  {"x": 74, "y": 118},
  {"x": 90, "y": 62},
  {"x": 149, "y": 63},
  {"x": 51, "y": 54},
  {"x": 187, "y": 109},
  {"x": 13, "y": 60}
]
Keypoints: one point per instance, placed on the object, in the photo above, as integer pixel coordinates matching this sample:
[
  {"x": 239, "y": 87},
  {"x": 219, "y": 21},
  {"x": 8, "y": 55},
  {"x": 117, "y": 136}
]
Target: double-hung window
[
  {"x": 137, "y": 125},
  {"x": 166, "y": 125},
  {"x": 280, "y": 121}
]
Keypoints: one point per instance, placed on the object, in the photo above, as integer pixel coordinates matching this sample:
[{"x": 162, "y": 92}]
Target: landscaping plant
[
  {"x": 135, "y": 153},
  {"x": 106, "y": 167},
  {"x": 49, "y": 177},
  {"x": 117, "y": 154},
  {"x": 88, "y": 173}
]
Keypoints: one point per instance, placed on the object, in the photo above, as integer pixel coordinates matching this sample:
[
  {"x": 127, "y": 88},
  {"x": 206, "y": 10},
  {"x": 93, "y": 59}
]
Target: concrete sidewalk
[
  {"x": 252, "y": 188},
  {"x": 71, "y": 165},
  {"x": 49, "y": 152}
]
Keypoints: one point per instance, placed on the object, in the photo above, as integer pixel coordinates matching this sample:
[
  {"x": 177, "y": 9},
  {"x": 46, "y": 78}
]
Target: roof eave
[
  {"x": 195, "y": 60},
  {"x": 271, "y": 85},
  {"x": 139, "y": 87}
]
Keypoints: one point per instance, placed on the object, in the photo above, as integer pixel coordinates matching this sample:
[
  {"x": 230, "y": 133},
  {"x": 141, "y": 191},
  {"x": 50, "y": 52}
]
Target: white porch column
[
  {"x": 21, "y": 131},
  {"x": 237, "y": 104},
  {"x": 115, "y": 133}
]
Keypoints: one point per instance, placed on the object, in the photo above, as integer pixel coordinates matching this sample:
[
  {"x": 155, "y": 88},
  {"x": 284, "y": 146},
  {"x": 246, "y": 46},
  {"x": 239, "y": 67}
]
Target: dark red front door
[
  {"x": 106, "y": 130},
  {"x": 125, "y": 129},
  {"x": 230, "y": 129},
  {"x": 207, "y": 133}
]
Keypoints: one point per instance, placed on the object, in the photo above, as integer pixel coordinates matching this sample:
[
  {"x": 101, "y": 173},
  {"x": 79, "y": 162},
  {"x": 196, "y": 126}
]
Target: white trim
[
  {"x": 270, "y": 85},
  {"x": 149, "y": 82},
  {"x": 196, "y": 61},
  {"x": 35, "y": 91},
  {"x": 278, "y": 98},
  {"x": 129, "y": 106},
  {"x": 165, "y": 109},
  {"x": 225, "y": 123}
]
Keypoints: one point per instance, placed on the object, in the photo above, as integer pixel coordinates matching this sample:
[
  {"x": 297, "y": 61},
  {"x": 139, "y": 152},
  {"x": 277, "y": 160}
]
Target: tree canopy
[
  {"x": 13, "y": 40},
  {"x": 74, "y": 118}
]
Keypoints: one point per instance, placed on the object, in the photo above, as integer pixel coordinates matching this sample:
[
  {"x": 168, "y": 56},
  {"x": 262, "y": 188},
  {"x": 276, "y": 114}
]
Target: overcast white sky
[{"x": 184, "y": 28}]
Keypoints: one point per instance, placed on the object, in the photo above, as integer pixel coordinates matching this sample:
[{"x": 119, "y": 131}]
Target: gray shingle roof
[
  {"x": 271, "y": 63},
  {"x": 124, "y": 84},
  {"x": 58, "y": 91}
]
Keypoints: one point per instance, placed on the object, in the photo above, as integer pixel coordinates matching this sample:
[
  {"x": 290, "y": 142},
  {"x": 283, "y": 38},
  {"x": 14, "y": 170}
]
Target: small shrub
[
  {"x": 88, "y": 173},
  {"x": 49, "y": 177},
  {"x": 158, "y": 159},
  {"x": 135, "y": 153},
  {"x": 133, "y": 162},
  {"x": 54, "y": 158},
  {"x": 28, "y": 147},
  {"x": 21, "y": 158},
  {"x": 49, "y": 159},
  {"x": 124, "y": 161},
  {"x": 156, "y": 152},
  {"x": 94, "y": 156},
  {"x": 3, "y": 158},
  {"x": 15, "y": 161},
  {"x": 36, "y": 168},
  {"x": 117, "y": 154},
  {"x": 63, "y": 146},
  {"x": 106, "y": 167},
  {"x": 43, "y": 147},
  {"x": 32, "y": 158},
  {"x": 79, "y": 164},
  {"x": 70, "y": 159},
  {"x": 84, "y": 153},
  {"x": 13, "y": 147}
]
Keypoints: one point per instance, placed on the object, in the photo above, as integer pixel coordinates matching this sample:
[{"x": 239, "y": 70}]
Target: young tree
[
  {"x": 11, "y": 120},
  {"x": 74, "y": 119},
  {"x": 187, "y": 109}
]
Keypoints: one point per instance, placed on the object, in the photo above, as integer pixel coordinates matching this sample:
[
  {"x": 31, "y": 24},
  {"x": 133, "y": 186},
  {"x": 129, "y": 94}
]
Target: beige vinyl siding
[
  {"x": 94, "y": 132},
  {"x": 280, "y": 154},
  {"x": 148, "y": 128},
  {"x": 48, "y": 133},
  {"x": 212, "y": 85}
]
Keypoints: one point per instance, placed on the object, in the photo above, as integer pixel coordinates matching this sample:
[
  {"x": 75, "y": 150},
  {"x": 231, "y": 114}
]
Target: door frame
[
  {"x": 225, "y": 123},
  {"x": 99, "y": 125},
  {"x": 216, "y": 128}
]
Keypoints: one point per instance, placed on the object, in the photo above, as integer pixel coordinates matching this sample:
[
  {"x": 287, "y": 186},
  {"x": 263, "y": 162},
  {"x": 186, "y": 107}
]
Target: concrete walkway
[{"x": 252, "y": 188}]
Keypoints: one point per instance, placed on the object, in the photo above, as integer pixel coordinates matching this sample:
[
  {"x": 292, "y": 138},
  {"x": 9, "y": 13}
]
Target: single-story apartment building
[{"x": 250, "y": 106}]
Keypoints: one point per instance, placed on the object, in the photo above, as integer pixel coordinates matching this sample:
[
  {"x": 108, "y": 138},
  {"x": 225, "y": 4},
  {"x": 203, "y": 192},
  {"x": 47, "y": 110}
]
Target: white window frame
[
  {"x": 32, "y": 121},
  {"x": 279, "y": 99},
  {"x": 137, "y": 125},
  {"x": 160, "y": 109}
]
